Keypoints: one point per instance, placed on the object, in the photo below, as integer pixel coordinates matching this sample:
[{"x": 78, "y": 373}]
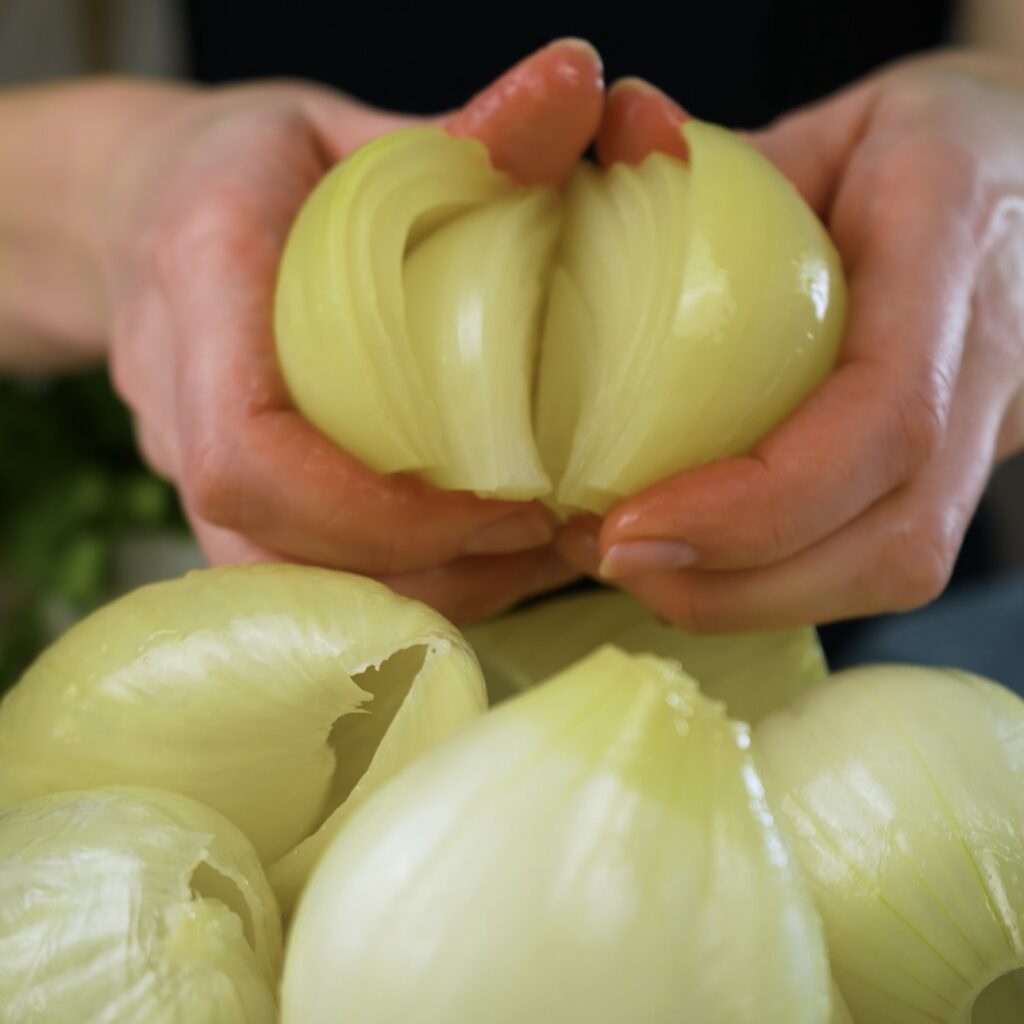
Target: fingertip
[
  {"x": 639, "y": 119},
  {"x": 577, "y": 543},
  {"x": 522, "y": 530},
  {"x": 580, "y": 55},
  {"x": 221, "y": 546},
  {"x": 639, "y": 557},
  {"x": 476, "y": 587},
  {"x": 480, "y": 525},
  {"x": 538, "y": 118}
]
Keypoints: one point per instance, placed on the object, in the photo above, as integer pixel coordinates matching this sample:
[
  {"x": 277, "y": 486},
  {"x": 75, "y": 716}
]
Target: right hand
[
  {"x": 205, "y": 201},
  {"x": 858, "y": 502}
]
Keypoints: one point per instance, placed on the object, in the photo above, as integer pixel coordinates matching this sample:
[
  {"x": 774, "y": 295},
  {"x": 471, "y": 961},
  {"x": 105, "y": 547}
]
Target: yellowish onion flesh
[
  {"x": 227, "y": 686},
  {"x": 135, "y": 906},
  {"x": 752, "y": 674},
  {"x": 685, "y": 311},
  {"x": 598, "y": 849},
  {"x": 901, "y": 791}
]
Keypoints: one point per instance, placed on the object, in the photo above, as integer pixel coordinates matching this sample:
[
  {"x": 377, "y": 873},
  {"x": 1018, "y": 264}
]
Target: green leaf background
[{"x": 71, "y": 484}]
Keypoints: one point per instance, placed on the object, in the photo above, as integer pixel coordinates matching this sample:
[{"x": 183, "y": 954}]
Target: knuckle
[
  {"x": 385, "y": 549},
  {"x": 927, "y": 117},
  {"x": 171, "y": 248},
  {"x": 778, "y": 536},
  {"x": 764, "y": 537},
  {"x": 934, "y": 146},
  {"x": 211, "y": 483},
  {"x": 771, "y": 531},
  {"x": 921, "y": 423},
  {"x": 156, "y": 453},
  {"x": 919, "y": 164},
  {"x": 385, "y": 553},
  {"x": 190, "y": 235},
  {"x": 759, "y": 522},
  {"x": 693, "y": 612},
  {"x": 920, "y": 561}
]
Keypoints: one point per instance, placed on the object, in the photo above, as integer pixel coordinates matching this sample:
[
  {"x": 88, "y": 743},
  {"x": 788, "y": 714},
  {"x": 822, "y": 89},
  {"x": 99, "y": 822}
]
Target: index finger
[{"x": 538, "y": 118}]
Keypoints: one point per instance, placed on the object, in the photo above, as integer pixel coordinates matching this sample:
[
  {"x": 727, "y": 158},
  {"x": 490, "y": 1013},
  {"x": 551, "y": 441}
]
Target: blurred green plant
[{"x": 71, "y": 483}]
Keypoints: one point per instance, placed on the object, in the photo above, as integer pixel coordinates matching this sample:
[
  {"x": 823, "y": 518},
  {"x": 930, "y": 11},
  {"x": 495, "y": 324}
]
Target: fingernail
[
  {"x": 580, "y": 549},
  {"x": 517, "y": 532},
  {"x": 582, "y": 46},
  {"x": 634, "y": 557},
  {"x": 631, "y": 82}
]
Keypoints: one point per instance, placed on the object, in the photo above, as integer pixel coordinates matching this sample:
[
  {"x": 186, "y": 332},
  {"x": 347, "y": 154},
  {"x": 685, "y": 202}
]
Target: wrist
[{"x": 62, "y": 150}]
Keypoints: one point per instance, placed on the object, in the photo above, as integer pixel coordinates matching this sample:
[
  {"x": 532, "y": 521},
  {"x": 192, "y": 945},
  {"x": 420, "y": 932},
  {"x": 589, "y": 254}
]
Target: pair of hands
[{"x": 856, "y": 504}]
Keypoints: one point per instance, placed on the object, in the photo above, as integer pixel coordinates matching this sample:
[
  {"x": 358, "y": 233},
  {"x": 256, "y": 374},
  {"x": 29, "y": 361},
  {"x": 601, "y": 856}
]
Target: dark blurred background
[{"x": 80, "y": 517}]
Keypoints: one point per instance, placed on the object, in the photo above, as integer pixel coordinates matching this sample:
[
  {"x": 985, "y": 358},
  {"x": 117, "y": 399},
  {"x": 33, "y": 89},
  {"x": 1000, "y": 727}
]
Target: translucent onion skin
[
  {"x": 598, "y": 849},
  {"x": 902, "y": 793},
  {"x": 228, "y": 685},
  {"x": 133, "y": 906},
  {"x": 753, "y": 674},
  {"x": 432, "y": 317}
]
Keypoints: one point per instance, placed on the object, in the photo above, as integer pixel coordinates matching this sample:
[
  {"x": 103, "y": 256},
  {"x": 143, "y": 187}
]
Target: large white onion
[
  {"x": 901, "y": 790},
  {"x": 596, "y": 850}
]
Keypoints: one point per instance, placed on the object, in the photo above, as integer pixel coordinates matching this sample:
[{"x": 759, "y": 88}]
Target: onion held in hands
[{"x": 433, "y": 317}]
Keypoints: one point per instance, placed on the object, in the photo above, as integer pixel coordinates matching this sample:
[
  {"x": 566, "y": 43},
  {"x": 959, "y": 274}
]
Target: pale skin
[{"x": 163, "y": 259}]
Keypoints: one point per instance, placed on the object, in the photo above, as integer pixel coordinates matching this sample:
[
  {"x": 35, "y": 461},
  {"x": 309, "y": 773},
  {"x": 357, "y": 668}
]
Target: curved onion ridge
[{"x": 433, "y": 317}]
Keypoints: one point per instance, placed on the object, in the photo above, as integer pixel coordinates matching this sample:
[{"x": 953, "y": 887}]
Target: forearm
[
  {"x": 60, "y": 148},
  {"x": 993, "y": 25}
]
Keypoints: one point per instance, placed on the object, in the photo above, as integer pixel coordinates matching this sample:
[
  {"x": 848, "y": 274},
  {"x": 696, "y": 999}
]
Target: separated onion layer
[
  {"x": 279, "y": 695},
  {"x": 433, "y": 317}
]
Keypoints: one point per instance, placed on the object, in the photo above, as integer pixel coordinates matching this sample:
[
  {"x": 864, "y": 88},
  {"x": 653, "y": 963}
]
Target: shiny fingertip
[{"x": 636, "y": 557}]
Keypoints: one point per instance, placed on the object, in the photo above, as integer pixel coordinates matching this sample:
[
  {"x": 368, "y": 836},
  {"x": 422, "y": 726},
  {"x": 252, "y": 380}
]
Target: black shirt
[{"x": 738, "y": 63}]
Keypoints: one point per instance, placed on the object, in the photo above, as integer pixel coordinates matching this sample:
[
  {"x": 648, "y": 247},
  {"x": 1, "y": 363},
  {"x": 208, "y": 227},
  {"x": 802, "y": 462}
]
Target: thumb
[
  {"x": 639, "y": 119},
  {"x": 539, "y": 117},
  {"x": 812, "y": 146}
]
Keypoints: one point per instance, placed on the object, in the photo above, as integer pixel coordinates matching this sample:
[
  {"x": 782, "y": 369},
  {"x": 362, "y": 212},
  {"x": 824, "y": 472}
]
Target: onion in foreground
[
  {"x": 596, "y": 850},
  {"x": 901, "y": 790},
  {"x": 753, "y": 674},
  {"x": 135, "y": 906},
  {"x": 278, "y": 695}
]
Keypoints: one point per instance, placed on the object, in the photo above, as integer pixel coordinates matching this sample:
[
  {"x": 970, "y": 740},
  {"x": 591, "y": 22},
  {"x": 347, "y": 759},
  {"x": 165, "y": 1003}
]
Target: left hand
[
  {"x": 205, "y": 196},
  {"x": 858, "y": 503}
]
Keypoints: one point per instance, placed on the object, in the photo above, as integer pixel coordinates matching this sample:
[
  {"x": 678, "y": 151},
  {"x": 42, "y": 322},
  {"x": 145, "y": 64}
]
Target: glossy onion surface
[
  {"x": 278, "y": 695},
  {"x": 133, "y": 906},
  {"x": 433, "y": 317},
  {"x": 752, "y": 674},
  {"x": 901, "y": 790},
  {"x": 598, "y": 849}
]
